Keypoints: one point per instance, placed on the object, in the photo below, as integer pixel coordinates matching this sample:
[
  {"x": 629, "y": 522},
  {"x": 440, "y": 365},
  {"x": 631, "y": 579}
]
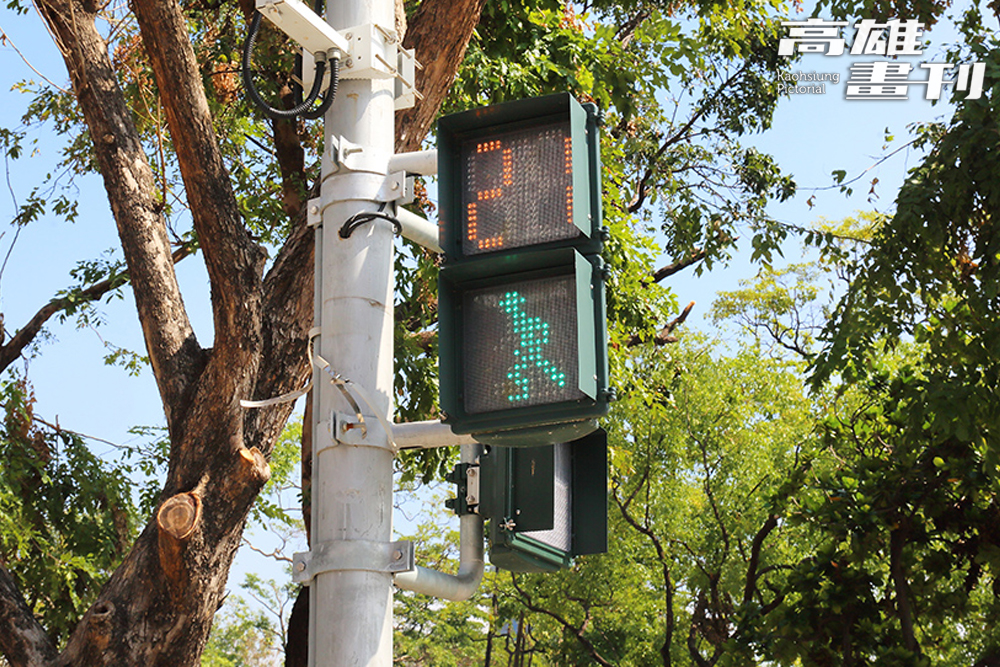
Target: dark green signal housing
[
  {"x": 523, "y": 335},
  {"x": 546, "y": 505}
]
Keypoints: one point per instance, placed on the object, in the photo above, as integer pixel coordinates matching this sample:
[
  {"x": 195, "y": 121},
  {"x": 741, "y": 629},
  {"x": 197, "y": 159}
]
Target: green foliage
[
  {"x": 66, "y": 517},
  {"x": 249, "y": 634},
  {"x": 146, "y": 457},
  {"x": 777, "y": 307},
  {"x": 904, "y": 515},
  {"x": 932, "y": 270}
]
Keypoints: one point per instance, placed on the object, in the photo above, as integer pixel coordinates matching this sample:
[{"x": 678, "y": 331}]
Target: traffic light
[
  {"x": 547, "y": 504},
  {"x": 522, "y": 329}
]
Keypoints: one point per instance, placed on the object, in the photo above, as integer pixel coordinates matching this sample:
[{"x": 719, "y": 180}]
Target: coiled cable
[{"x": 305, "y": 107}]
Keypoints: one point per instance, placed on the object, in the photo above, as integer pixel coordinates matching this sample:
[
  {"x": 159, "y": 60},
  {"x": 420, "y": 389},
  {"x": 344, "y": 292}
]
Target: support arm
[{"x": 463, "y": 584}]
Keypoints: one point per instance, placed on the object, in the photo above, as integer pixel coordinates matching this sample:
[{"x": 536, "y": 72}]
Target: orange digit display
[
  {"x": 507, "y": 178},
  {"x": 518, "y": 189}
]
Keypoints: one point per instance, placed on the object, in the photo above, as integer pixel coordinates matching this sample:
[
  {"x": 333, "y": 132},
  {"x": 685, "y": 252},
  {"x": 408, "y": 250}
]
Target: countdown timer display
[
  {"x": 517, "y": 189},
  {"x": 521, "y": 315},
  {"x": 521, "y": 345}
]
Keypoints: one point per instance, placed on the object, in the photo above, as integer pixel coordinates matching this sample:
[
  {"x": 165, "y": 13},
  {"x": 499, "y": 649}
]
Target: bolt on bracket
[
  {"x": 350, "y": 430},
  {"x": 466, "y": 478}
]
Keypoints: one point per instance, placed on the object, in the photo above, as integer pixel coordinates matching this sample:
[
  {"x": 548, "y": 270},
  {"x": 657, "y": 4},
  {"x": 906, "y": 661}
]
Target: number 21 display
[
  {"x": 522, "y": 337},
  {"x": 518, "y": 189}
]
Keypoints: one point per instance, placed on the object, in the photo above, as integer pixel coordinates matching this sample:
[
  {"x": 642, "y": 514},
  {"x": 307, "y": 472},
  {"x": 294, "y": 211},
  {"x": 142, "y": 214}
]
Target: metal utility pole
[
  {"x": 352, "y": 562},
  {"x": 351, "y": 602},
  {"x": 353, "y": 566}
]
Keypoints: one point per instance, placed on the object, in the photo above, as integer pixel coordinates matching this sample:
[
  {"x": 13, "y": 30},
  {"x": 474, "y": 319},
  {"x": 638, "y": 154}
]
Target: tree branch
[
  {"x": 896, "y": 569},
  {"x": 10, "y": 351},
  {"x": 697, "y": 255},
  {"x": 234, "y": 262},
  {"x": 577, "y": 632},
  {"x": 23, "y": 642},
  {"x": 173, "y": 349},
  {"x": 665, "y": 335},
  {"x": 711, "y": 499},
  {"x": 668, "y": 586},
  {"x": 627, "y": 30},
  {"x": 640, "y": 192},
  {"x": 758, "y": 543},
  {"x": 292, "y": 164}
]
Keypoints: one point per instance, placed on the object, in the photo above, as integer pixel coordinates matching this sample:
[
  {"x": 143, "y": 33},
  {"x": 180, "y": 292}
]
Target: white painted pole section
[
  {"x": 418, "y": 229},
  {"x": 424, "y": 163},
  {"x": 351, "y": 610},
  {"x": 463, "y": 584}
]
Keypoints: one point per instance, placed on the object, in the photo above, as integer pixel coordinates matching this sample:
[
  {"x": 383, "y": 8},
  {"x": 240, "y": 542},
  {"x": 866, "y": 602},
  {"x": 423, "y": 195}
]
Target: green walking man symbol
[{"x": 532, "y": 333}]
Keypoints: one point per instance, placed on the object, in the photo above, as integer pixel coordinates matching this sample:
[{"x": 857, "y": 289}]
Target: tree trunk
[
  {"x": 439, "y": 31},
  {"x": 158, "y": 607}
]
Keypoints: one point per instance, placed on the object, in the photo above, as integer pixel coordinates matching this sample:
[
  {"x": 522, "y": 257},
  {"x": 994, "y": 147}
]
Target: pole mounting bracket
[{"x": 340, "y": 555}]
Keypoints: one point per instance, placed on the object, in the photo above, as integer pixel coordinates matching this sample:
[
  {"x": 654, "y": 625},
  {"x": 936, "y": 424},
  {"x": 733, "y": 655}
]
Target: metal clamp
[
  {"x": 314, "y": 212},
  {"x": 355, "y": 430},
  {"x": 339, "y": 555},
  {"x": 406, "y": 80},
  {"x": 466, "y": 478},
  {"x": 397, "y": 187},
  {"x": 347, "y": 156}
]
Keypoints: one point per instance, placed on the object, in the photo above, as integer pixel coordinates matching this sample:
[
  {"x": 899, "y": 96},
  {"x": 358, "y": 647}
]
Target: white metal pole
[{"x": 351, "y": 609}]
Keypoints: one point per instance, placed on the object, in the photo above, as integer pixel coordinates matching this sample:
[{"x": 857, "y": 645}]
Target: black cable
[
  {"x": 359, "y": 219},
  {"x": 298, "y": 109},
  {"x": 331, "y": 91},
  {"x": 296, "y": 86}
]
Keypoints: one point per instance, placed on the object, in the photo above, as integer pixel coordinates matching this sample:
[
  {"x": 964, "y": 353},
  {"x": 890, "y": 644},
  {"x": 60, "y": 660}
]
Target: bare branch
[
  {"x": 711, "y": 498},
  {"x": 5, "y": 39},
  {"x": 668, "y": 584},
  {"x": 287, "y": 314},
  {"x": 276, "y": 554},
  {"x": 680, "y": 135}
]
